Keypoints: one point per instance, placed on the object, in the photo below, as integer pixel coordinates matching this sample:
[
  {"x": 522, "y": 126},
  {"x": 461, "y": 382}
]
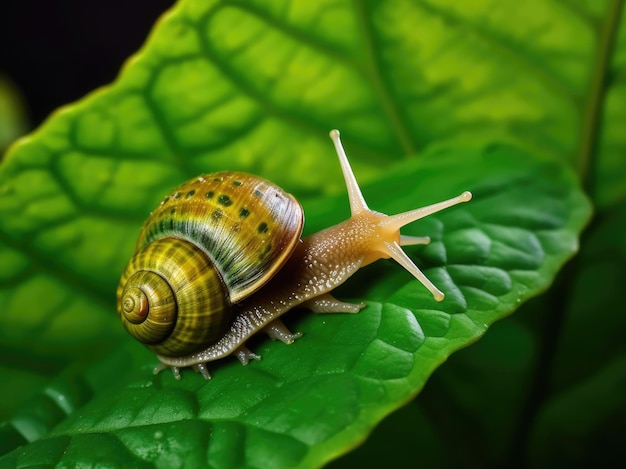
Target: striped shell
[{"x": 211, "y": 243}]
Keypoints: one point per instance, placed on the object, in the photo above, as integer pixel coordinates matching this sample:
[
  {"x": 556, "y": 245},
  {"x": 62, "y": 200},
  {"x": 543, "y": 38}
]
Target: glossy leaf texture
[
  {"x": 481, "y": 406},
  {"x": 324, "y": 393},
  {"x": 256, "y": 86}
]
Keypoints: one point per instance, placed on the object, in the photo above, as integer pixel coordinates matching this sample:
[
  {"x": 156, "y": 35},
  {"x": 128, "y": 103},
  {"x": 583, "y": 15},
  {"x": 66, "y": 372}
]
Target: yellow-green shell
[
  {"x": 210, "y": 243},
  {"x": 248, "y": 226},
  {"x": 172, "y": 299}
]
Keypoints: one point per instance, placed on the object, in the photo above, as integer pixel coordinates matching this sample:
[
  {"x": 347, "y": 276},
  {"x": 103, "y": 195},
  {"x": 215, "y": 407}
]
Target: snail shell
[{"x": 211, "y": 243}]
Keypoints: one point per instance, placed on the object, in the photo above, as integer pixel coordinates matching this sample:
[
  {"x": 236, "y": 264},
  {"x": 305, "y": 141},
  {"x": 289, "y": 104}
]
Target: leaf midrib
[{"x": 592, "y": 115}]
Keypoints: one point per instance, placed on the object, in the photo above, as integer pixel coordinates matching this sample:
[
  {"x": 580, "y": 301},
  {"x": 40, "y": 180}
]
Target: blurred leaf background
[{"x": 543, "y": 386}]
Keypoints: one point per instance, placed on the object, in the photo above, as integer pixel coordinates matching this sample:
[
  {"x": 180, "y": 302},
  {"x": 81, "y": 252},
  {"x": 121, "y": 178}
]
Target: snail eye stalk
[{"x": 393, "y": 223}]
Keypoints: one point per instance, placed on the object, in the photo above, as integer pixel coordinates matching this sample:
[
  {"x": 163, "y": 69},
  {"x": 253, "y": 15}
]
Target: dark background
[{"x": 56, "y": 51}]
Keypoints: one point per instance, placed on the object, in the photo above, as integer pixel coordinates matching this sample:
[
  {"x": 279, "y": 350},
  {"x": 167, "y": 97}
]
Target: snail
[{"x": 221, "y": 259}]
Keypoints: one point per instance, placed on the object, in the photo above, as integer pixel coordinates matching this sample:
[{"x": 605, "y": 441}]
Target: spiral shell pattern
[
  {"x": 212, "y": 242},
  {"x": 172, "y": 299}
]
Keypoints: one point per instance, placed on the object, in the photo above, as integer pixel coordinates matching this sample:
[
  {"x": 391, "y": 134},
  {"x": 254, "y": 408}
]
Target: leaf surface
[
  {"x": 256, "y": 87},
  {"x": 324, "y": 393}
]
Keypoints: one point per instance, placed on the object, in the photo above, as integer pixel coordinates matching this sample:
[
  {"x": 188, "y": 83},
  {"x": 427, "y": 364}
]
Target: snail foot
[
  {"x": 202, "y": 369},
  {"x": 278, "y": 331},
  {"x": 327, "y": 303},
  {"x": 176, "y": 372},
  {"x": 162, "y": 366},
  {"x": 244, "y": 355}
]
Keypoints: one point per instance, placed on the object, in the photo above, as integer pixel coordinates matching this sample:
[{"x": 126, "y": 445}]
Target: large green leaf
[
  {"x": 481, "y": 408},
  {"x": 467, "y": 414},
  {"x": 248, "y": 86},
  {"x": 323, "y": 394}
]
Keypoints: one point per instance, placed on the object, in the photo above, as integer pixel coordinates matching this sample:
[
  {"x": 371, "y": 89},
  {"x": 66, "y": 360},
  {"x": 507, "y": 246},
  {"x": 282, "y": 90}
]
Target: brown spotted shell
[{"x": 211, "y": 243}]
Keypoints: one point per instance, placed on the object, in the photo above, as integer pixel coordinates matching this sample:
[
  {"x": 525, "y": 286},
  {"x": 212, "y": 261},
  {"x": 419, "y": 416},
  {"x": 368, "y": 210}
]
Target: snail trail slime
[{"x": 221, "y": 259}]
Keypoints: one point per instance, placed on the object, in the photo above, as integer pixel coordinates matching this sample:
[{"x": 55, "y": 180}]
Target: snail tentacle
[{"x": 390, "y": 225}]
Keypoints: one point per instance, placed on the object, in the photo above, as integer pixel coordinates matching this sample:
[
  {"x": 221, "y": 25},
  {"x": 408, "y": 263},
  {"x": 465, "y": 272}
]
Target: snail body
[{"x": 221, "y": 259}]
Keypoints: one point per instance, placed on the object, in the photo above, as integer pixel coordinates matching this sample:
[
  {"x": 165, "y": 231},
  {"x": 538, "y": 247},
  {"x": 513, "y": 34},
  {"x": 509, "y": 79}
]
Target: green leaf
[
  {"x": 484, "y": 399},
  {"x": 467, "y": 413},
  {"x": 323, "y": 394},
  {"x": 247, "y": 86}
]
